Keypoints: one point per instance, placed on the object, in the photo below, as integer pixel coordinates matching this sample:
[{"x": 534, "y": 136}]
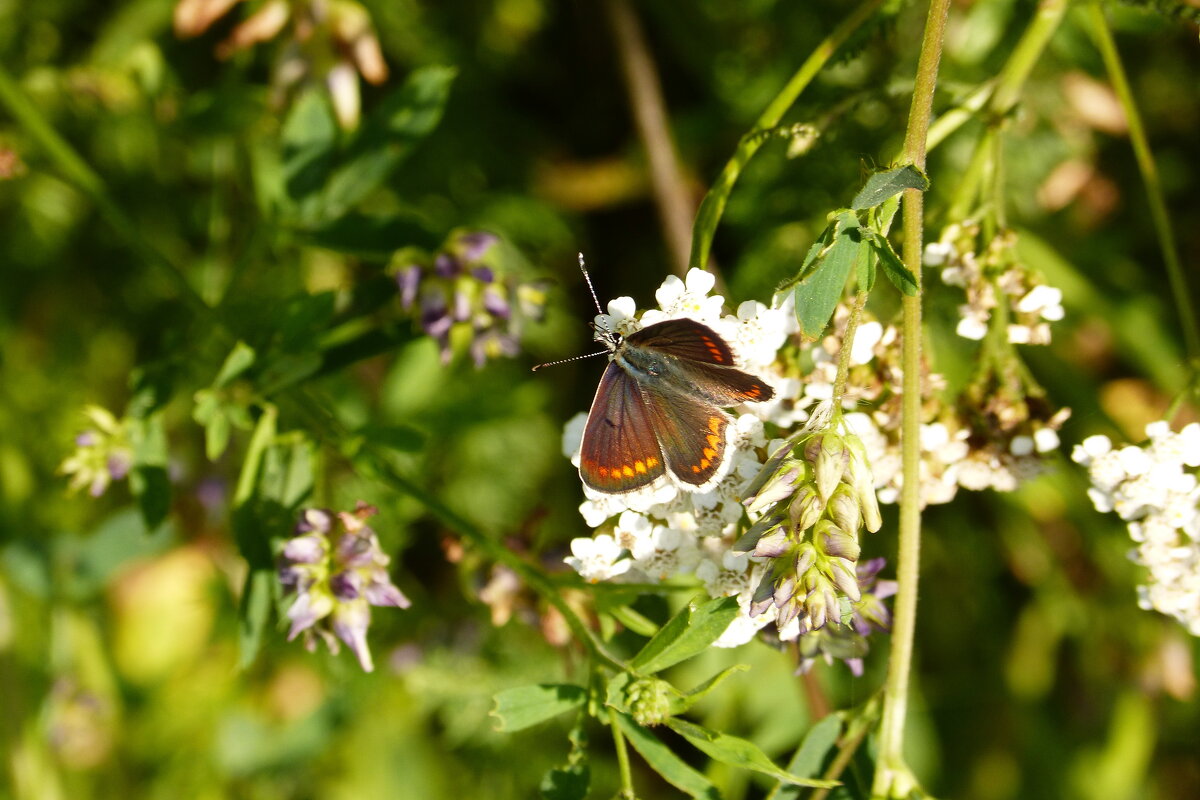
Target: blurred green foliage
[{"x": 1037, "y": 676}]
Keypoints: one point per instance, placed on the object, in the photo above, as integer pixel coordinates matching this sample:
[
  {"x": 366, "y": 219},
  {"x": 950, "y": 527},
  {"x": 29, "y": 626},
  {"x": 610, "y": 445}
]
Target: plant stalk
[
  {"x": 1155, "y": 197},
  {"x": 892, "y": 775}
]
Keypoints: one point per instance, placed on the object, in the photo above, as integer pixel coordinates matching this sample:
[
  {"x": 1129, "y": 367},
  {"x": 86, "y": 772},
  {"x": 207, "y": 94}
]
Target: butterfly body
[{"x": 658, "y": 407}]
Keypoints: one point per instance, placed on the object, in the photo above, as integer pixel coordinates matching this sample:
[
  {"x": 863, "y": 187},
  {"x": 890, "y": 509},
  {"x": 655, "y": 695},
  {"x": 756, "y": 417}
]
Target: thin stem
[
  {"x": 627, "y": 791},
  {"x": 78, "y": 172},
  {"x": 370, "y": 461},
  {"x": 843, "y": 370},
  {"x": 846, "y": 751},
  {"x": 892, "y": 776},
  {"x": 675, "y": 205},
  {"x": 714, "y": 202},
  {"x": 1011, "y": 80},
  {"x": 1154, "y": 191}
]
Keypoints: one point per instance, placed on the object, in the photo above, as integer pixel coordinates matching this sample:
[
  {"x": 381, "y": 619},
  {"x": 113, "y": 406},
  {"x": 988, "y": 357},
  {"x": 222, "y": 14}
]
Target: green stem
[
  {"x": 892, "y": 776},
  {"x": 843, "y": 370},
  {"x": 370, "y": 461},
  {"x": 78, "y": 172},
  {"x": 1011, "y": 80},
  {"x": 1154, "y": 191},
  {"x": 713, "y": 205},
  {"x": 627, "y": 792}
]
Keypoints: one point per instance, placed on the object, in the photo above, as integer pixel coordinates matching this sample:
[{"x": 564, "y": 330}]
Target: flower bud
[
  {"x": 806, "y": 508},
  {"x": 784, "y": 590},
  {"x": 649, "y": 701},
  {"x": 843, "y": 507},
  {"x": 763, "y": 594},
  {"x": 773, "y": 545},
  {"x": 769, "y": 470},
  {"x": 759, "y": 529},
  {"x": 816, "y": 610},
  {"x": 830, "y": 464},
  {"x": 786, "y": 614},
  {"x": 844, "y": 578},
  {"x": 835, "y": 542},
  {"x": 863, "y": 482},
  {"x": 780, "y": 486},
  {"x": 806, "y": 557}
]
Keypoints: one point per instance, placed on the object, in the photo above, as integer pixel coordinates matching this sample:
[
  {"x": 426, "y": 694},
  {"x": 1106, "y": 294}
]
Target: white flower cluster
[
  {"x": 668, "y": 531},
  {"x": 1154, "y": 488},
  {"x": 950, "y": 457},
  {"x": 1032, "y": 305}
]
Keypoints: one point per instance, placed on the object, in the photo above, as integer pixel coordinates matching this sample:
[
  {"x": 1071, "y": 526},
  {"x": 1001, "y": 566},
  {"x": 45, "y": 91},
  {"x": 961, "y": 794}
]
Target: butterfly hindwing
[
  {"x": 690, "y": 432},
  {"x": 620, "y": 452}
]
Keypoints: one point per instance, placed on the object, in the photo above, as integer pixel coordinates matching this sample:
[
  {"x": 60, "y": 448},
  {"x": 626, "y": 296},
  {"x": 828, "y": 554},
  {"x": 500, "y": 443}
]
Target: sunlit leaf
[
  {"x": 738, "y": 752},
  {"x": 883, "y": 185},
  {"x": 818, "y": 294},
  {"x": 671, "y": 767},
  {"x": 525, "y": 706},
  {"x": 812, "y": 753},
  {"x": 688, "y": 633}
]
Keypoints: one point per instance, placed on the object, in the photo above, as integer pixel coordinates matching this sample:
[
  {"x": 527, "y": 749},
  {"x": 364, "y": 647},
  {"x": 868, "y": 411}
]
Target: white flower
[
  {"x": 973, "y": 324},
  {"x": 596, "y": 559},
  {"x": 621, "y": 317},
  {"x": 865, "y": 339},
  {"x": 572, "y": 438},
  {"x": 632, "y": 530},
  {"x": 1021, "y": 445},
  {"x": 664, "y": 553},
  {"x": 1045, "y": 440},
  {"x": 689, "y": 297},
  {"x": 755, "y": 334},
  {"x": 937, "y": 253}
]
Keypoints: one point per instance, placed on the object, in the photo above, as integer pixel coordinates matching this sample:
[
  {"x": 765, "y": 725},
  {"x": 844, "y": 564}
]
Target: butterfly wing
[
  {"x": 620, "y": 452},
  {"x": 701, "y": 361},
  {"x": 690, "y": 431}
]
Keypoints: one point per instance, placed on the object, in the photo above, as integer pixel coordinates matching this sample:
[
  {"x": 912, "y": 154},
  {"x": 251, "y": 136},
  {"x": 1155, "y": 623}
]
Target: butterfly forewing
[
  {"x": 691, "y": 433},
  {"x": 724, "y": 386},
  {"x": 684, "y": 338},
  {"x": 620, "y": 451}
]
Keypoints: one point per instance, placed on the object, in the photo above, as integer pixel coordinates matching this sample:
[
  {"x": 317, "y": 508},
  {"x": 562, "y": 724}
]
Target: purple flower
[
  {"x": 476, "y": 245},
  {"x": 336, "y": 570},
  {"x": 408, "y": 280},
  {"x": 446, "y": 265}
]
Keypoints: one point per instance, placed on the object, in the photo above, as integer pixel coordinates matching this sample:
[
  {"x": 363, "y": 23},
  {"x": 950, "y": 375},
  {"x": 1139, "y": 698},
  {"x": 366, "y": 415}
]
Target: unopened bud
[
  {"x": 806, "y": 507},
  {"x": 843, "y": 507},
  {"x": 650, "y": 701},
  {"x": 864, "y": 484},
  {"x": 780, "y": 486},
  {"x": 805, "y": 558},
  {"x": 759, "y": 529},
  {"x": 842, "y": 573},
  {"x": 835, "y": 542},
  {"x": 830, "y": 464},
  {"x": 773, "y": 545},
  {"x": 769, "y": 469},
  {"x": 784, "y": 590}
]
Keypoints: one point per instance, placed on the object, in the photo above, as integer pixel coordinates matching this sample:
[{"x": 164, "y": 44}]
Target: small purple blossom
[
  {"x": 408, "y": 280},
  {"x": 446, "y": 265},
  {"x": 103, "y": 453},
  {"x": 337, "y": 570},
  {"x": 474, "y": 246}
]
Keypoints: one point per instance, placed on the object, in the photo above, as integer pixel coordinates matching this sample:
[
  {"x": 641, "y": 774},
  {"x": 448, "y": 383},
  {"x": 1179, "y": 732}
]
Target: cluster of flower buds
[
  {"x": 848, "y": 643},
  {"x": 328, "y": 40},
  {"x": 462, "y": 288},
  {"x": 813, "y": 496},
  {"x": 992, "y": 277},
  {"x": 103, "y": 453},
  {"x": 337, "y": 571},
  {"x": 1155, "y": 490}
]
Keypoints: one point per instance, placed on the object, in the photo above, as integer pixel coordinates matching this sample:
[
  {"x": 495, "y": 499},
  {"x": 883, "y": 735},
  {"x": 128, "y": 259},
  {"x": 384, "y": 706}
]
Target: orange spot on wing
[
  {"x": 603, "y": 472},
  {"x": 695, "y": 468},
  {"x": 651, "y": 462},
  {"x": 712, "y": 440},
  {"x": 639, "y": 467},
  {"x": 627, "y": 471},
  {"x": 709, "y": 453},
  {"x": 714, "y": 424}
]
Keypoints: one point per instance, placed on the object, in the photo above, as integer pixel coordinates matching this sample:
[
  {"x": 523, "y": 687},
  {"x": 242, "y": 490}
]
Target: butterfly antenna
[
  {"x": 588, "y": 279},
  {"x": 569, "y": 360}
]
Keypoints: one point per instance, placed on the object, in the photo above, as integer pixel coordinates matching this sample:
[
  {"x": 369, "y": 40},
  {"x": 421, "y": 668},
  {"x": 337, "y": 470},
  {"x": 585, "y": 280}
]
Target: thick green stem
[
  {"x": 892, "y": 776},
  {"x": 1154, "y": 191},
  {"x": 713, "y": 205}
]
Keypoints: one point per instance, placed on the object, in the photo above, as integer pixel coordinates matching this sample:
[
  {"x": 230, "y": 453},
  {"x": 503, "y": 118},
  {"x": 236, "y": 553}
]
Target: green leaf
[
  {"x": 388, "y": 136},
  {"x": 865, "y": 270},
  {"x": 687, "y": 634},
  {"x": 152, "y": 489},
  {"x": 812, "y": 753},
  {"x": 569, "y": 782},
  {"x": 686, "y": 701},
  {"x": 524, "y": 706},
  {"x": 738, "y": 752},
  {"x": 882, "y": 185},
  {"x": 309, "y": 137},
  {"x": 631, "y": 619},
  {"x": 670, "y": 766},
  {"x": 893, "y": 267},
  {"x": 818, "y": 294},
  {"x": 238, "y": 361},
  {"x": 253, "y": 613},
  {"x": 401, "y": 438}
]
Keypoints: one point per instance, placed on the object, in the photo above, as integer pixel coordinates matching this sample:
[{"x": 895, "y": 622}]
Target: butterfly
[{"x": 658, "y": 407}]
